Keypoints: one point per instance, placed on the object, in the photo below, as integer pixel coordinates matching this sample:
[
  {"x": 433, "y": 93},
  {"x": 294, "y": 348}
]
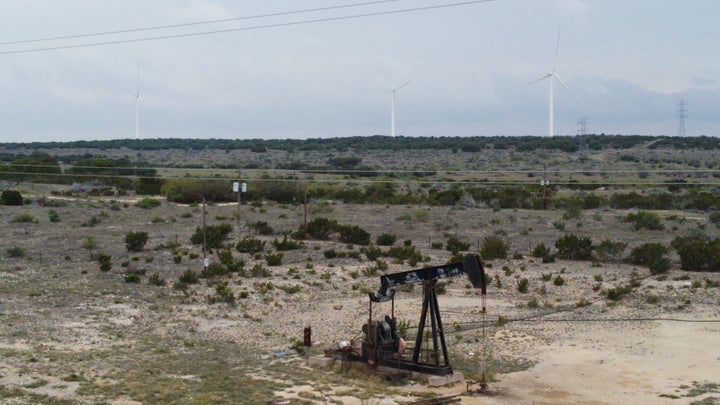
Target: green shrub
[
  {"x": 321, "y": 228},
  {"x": 572, "y": 213},
  {"x": 214, "y": 236},
  {"x": 250, "y": 245},
  {"x": 148, "y": 203},
  {"x": 644, "y": 220},
  {"x": 386, "y": 239},
  {"x": 259, "y": 271},
  {"x": 494, "y": 247},
  {"x": 11, "y": 197},
  {"x": 53, "y": 216},
  {"x": 189, "y": 277},
  {"x": 24, "y": 218},
  {"x": 105, "y": 262},
  {"x": 262, "y": 228},
  {"x": 135, "y": 241},
  {"x": 371, "y": 252},
  {"x": 652, "y": 255},
  {"x": 354, "y": 234},
  {"x": 132, "y": 278},
  {"x": 571, "y": 247},
  {"x": 223, "y": 293},
  {"x": 455, "y": 245},
  {"x": 215, "y": 269},
  {"x": 403, "y": 253},
  {"x": 156, "y": 280},
  {"x": 558, "y": 281},
  {"x": 698, "y": 254},
  {"x": 608, "y": 250},
  {"x": 540, "y": 250},
  {"x": 274, "y": 259},
  {"x": 330, "y": 253},
  {"x": 522, "y": 285},
  {"x": 15, "y": 251},
  {"x": 286, "y": 244}
]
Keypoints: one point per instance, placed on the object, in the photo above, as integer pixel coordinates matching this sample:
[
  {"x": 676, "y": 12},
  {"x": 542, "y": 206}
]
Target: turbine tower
[
  {"x": 552, "y": 75},
  {"x": 138, "y": 99},
  {"x": 393, "y": 104}
]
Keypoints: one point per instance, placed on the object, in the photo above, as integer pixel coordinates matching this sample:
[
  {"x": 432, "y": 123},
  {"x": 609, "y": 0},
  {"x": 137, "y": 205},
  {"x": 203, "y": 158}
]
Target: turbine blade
[
  {"x": 542, "y": 78},
  {"x": 389, "y": 82},
  {"x": 566, "y": 87},
  {"x": 404, "y": 84}
]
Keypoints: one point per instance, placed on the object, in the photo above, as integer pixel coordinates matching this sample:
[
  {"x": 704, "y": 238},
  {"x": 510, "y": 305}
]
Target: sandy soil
[{"x": 72, "y": 334}]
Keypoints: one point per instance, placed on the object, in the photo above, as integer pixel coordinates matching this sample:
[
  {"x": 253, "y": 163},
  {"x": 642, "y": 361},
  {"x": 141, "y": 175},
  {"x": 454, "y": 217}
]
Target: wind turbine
[
  {"x": 138, "y": 99},
  {"x": 393, "y": 90},
  {"x": 552, "y": 75}
]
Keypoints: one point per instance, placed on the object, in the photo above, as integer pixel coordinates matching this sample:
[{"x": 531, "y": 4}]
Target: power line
[
  {"x": 257, "y": 27},
  {"x": 189, "y": 24}
]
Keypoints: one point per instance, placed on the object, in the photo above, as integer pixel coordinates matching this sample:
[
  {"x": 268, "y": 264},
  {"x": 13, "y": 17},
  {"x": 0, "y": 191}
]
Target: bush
[
  {"x": 321, "y": 228},
  {"x": 53, "y": 216},
  {"x": 15, "y": 251},
  {"x": 148, "y": 203},
  {"x": 558, "y": 281},
  {"x": 214, "y": 235},
  {"x": 286, "y": 244},
  {"x": 105, "y": 262},
  {"x": 354, "y": 234},
  {"x": 571, "y": 247},
  {"x": 132, "y": 278},
  {"x": 135, "y": 241},
  {"x": 402, "y": 253},
  {"x": 455, "y": 245},
  {"x": 371, "y": 252},
  {"x": 697, "y": 254},
  {"x": 540, "y": 250},
  {"x": 608, "y": 250},
  {"x": 223, "y": 293},
  {"x": 262, "y": 228},
  {"x": 644, "y": 220},
  {"x": 156, "y": 280},
  {"x": 494, "y": 247},
  {"x": 330, "y": 253},
  {"x": 189, "y": 277},
  {"x": 522, "y": 285},
  {"x": 274, "y": 259},
  {"x": 386, "y": 239},
  {"x": 250, "y": 245},
  {"x": 652, "y": 255},
  {"x": 24, "y": 218},
  {"x": 11, "y": 197}
]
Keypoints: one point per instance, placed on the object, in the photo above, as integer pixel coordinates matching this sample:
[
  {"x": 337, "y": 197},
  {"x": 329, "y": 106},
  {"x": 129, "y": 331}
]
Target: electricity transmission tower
[
  {"x": 582, "y": 131},
  {"x": 681, "y": 117}
]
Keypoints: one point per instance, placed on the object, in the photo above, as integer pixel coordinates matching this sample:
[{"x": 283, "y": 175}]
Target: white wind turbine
[
  {"x": 393, "y": 90},
  {"x": 552, "y": 75},
  {"x": 138, "y": 99}
]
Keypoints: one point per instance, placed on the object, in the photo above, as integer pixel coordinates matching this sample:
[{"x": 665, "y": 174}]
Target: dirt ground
[{"x": 70, "y": 333}]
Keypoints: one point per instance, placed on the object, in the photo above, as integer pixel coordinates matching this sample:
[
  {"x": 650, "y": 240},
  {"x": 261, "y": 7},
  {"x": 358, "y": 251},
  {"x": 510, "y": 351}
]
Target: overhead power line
[
  {"x": 196, "y": 23},
  {"x": 256, "y": 27}
]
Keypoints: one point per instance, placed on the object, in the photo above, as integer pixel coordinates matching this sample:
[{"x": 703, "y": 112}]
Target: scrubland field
[{"x": 585, "y": 305}]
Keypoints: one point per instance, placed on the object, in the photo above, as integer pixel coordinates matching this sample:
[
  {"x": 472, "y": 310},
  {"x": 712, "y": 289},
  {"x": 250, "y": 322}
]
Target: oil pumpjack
[{"x": 381, "y": 345}]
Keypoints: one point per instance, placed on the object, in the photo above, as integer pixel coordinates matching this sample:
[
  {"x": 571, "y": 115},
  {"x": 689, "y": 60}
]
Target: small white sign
[
  {"x": 244, "y": 187},
  {"x": 236, "y": 186}
]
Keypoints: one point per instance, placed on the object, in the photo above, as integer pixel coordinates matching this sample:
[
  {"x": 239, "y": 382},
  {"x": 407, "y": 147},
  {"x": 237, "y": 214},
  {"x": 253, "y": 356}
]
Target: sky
[{"x": 471, "y": 67}]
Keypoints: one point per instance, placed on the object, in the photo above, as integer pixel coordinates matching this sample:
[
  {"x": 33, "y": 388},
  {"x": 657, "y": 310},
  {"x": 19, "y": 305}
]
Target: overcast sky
[{"x": 628, "y": 62}]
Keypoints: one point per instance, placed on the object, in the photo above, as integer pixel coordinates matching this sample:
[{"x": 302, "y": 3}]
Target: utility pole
[
  {"x": 239, "y": 189},
  {"x": 206, "y": 261}
]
